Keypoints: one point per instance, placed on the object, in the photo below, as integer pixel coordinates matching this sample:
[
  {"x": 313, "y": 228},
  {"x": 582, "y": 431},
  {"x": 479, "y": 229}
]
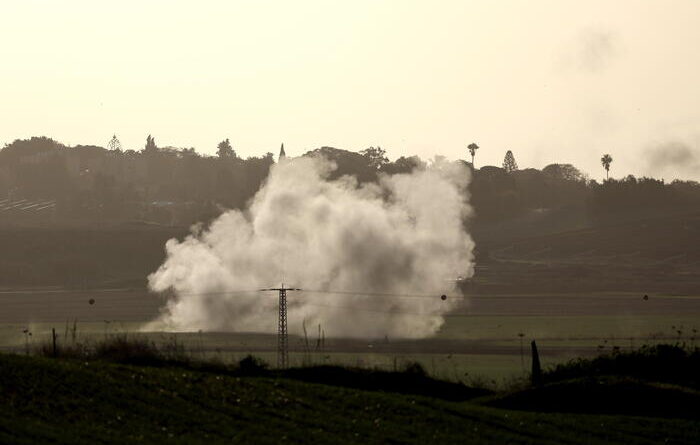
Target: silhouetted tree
[
  {"x": 606, "y": 160},
  {"x": 509, "y": 164},
  {"x": 472, "y": 150},
  {"x": 493, "y": 193},
  {"x": 29, "y": 147},
  {"x": 376, "y": 156},
  {"x": 566, "y": 172},
  {"x": 114, "y": 144},
  {"x": 347, "y": 163},
  {"x": 225, "y": 150},
  {"x": 150, "y": 145},
  {"x": 403, "y": 165}
]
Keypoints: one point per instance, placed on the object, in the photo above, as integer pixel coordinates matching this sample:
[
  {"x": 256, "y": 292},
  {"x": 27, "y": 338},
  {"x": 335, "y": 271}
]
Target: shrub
[
  {"x": 251, "y": 365},
  {"x": 121, "y": 348},
  {"x": 415, "y": 368},
  {"x": 663, "y": 363}
]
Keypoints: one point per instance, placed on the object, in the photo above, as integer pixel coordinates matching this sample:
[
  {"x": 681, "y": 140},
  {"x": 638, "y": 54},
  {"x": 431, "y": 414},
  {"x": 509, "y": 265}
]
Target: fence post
[
  {"x": 53, "y": 338},
  {"x": 536, "y": 368}
]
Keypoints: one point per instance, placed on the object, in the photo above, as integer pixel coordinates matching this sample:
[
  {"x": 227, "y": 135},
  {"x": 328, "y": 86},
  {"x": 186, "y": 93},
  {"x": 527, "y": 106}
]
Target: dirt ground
[{"x": 139, "y": 305}]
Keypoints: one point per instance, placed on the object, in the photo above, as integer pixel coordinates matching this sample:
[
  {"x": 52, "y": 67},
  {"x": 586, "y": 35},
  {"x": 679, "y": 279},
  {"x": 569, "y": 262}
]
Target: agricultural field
[
  {"x": 485, "y": 339},
  {"x": 616, "y": 285}
]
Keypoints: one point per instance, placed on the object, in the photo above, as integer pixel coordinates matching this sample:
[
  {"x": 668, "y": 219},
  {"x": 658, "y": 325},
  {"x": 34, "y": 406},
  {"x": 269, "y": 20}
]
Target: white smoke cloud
[
  {"x": 591, "y": 50},
  {"x": 404, "y": 235},
  {"x": 598, "y": 47}
]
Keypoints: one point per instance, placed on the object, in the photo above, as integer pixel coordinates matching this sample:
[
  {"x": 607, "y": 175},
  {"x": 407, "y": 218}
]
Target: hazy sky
[{"x": 553, "y": 81}]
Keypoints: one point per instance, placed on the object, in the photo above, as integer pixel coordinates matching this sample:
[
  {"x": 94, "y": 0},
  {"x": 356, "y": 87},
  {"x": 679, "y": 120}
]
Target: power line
[
  {"x": 381, "y": 294},
  {"x": 225, "y": 292},
  {"x": 328, "y": 292},
  {"x": 396, "y": 312}
]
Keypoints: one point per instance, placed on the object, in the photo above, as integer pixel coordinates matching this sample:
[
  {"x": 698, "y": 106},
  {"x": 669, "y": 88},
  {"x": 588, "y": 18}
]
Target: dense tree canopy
[
  {"x": 376, "y": 157},
  {"x": 178, "y": 186},
  {"x": 225, "y": 150}
]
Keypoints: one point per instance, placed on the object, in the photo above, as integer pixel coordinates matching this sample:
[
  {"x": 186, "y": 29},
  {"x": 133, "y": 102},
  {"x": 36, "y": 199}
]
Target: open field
[
  {"x": 138, "y": 305},
  {"x": 479, "y": 340},
  {"x": 576, "y": 292},
  {"x": 643, "y": 255}
]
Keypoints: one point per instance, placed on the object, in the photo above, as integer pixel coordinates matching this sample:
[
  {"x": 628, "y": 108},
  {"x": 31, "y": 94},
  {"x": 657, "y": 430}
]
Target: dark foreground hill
[
  {"x": 76, "y": 401},
  {"x": 656, "y": 381}
]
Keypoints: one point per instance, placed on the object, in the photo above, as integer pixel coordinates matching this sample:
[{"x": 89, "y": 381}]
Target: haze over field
[{"x": 554, "y": 81}]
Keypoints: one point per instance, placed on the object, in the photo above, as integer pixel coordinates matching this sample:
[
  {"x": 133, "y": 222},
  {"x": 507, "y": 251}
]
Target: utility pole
[{"x": 282, "y": 337}]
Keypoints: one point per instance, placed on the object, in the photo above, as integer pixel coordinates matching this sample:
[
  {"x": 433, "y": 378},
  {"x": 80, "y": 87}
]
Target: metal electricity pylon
[{"x": 282, "y": 338}]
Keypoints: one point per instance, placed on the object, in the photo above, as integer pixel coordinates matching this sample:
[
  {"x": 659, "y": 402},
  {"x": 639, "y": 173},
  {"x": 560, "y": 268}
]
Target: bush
[
  {"x": 120, "y": 348},
  {"x": 415, "y": 368},
  {"x": 75, "y": 350},
  {"x": 661, "y": 363},
  {"x": 251, "y": 365}
]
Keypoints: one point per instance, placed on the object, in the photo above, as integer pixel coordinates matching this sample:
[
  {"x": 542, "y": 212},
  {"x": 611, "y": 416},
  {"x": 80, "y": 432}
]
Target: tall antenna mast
[{"x": 282, "y": 337}]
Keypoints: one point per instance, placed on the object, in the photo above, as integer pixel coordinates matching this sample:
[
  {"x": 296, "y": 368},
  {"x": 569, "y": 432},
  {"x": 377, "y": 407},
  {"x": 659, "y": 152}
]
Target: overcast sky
[{"x": 554, "y": 81}]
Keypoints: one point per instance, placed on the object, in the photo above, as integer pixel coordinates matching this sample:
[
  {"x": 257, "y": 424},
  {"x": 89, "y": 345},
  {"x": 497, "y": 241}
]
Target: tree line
[{"x": 178, "y": 186}]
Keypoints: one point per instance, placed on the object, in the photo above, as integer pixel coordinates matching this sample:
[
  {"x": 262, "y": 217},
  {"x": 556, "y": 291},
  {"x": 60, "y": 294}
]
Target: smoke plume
[
  {"x": 675, "y": 159},
  {"x": 347, "y": 246},
  {"x": 591, "y": 50}
]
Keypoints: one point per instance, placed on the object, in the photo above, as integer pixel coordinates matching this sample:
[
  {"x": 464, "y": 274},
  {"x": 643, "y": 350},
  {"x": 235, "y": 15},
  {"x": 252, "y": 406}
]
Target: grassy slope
[{"x": 44, "y": 400}]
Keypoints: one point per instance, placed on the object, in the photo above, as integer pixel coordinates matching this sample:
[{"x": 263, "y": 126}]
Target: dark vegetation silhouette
[
  {"x": 67, "y": 401},
  {"x": 659, "y": 380},
  {"x": 472, "y": 151},
  {"x": 606, "y": 160},
  {"x": 509, "y": 164},
  {"x": 655, "y": 380},
  {"x": 138, "y": 350},
  {"x": 668, "y": 363},
  {"x": 164, "y": 185},
  {"x": 376, "y": 157},
  {"x": 114, "y": 144},
  {"x": 178, "y": 186},
  {"x": 225, "y": 150}
]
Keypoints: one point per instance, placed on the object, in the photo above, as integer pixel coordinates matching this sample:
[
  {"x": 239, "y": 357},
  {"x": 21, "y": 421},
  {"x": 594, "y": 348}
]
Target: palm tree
[
  {"x": 472, "y": 150},
  {"x": 606, "y": 160}
]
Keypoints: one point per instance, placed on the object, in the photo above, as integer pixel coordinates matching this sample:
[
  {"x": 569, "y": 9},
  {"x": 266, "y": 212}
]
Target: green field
[
  {"x": 75, "y": 401},
  {"x": 483, "y": 348}
]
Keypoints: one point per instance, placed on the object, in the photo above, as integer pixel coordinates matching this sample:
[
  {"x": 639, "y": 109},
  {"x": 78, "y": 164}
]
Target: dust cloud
[{"x": 372, "y": 259}]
